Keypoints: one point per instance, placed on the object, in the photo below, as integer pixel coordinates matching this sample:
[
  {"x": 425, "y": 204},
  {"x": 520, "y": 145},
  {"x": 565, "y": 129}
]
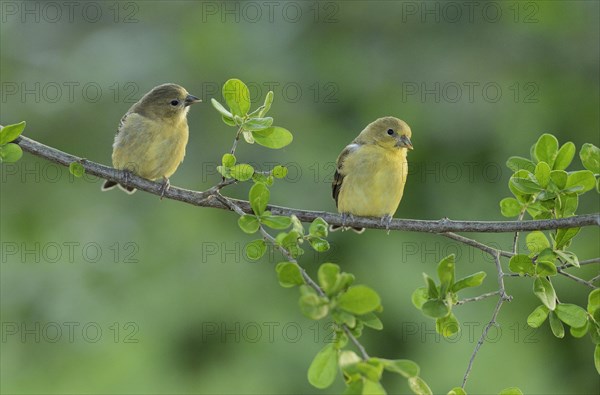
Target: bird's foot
[
  {"x": 165, "y": 187},
  {"x": 387, "y": 221},
  {"x": 127, "y": 176}
]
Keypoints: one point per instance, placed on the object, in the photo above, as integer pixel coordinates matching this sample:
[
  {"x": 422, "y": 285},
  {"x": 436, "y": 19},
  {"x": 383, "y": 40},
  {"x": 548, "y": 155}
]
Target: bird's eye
[
  {"x": 390, "y": 132},
  {"x": 174, "y": 102}
]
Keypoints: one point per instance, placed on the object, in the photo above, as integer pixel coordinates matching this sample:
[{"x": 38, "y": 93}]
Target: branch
[
  {"x": 478, "y": 298},
  {"x": 203, "y": 199}
]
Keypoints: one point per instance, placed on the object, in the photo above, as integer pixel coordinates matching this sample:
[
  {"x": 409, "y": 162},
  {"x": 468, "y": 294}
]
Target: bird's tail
[
  {"x": 335, "y": 228},
  {"x": 108, "y": 185}
]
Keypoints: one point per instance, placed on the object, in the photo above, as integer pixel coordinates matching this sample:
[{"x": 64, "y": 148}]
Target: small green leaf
[
  {"x": 288, "y": 274},
  {"x": 565, "y": 156},
  {"x": 219, "y": 107},
  {"x": 538, "y": 316},
  {"x": 255, "y": 124},
  {"x": 324, "y": 367},
  {"x": 313, "y": 306},
  {"x": 319, "y": 244},
  {"x": 445, "y": 271},
  {"x": 510, "y": 207},
  {"x": 11, "y": 132},
  {"x": 228, "y": 160},
  {"x": 447, "y": 326},
  {"x": 318, "y": 227},
  {"x": 556, "y": 326},
  {"x": 521, "y": 264},
  {"x": 435, "y": 308},
  {"x": 545, "y": 268},
  {"x": 10, "y": 153},
  {"x": 273, "y": 137},
  {"x": 76, "y": 169},
  {"x": 419, "y": 297},
  {"x": 580, "y": 332},
  {"x": 525, "y": 185},
  {"x": 259, "y": 198},
  {"x": 474, "y": 280},
  {"x": 280, "y": 171},
  {"x": 597, "y": 358},
  {"x": 372, "y": 321},
  {"x": 359, "y": 299},
  {"x": 516, "y": 163},
  {"x": 276, "y": 221},
  {"x": 536, "y": 242},
  {"x": 418, "y": 386},
  {"x": 564, "y": 236},
  {"x": 542, "y": 174},
  {"x": 228, "y": 121},
  {"x": 328, "y": 276},
  {"x": 267, "y": 104},
  {"x": 593, "y": 301},
  {"x": 545, "y": 292},
  {"x": 242, "y": 172},
  {"x": 248, "y": 223},
  {"x": 432, "y": 290},
  {"x": 571, "y": 314},
  {"x": 568, "y": 257},
  {"x": 371, "y": 387},
  {"x": 590, "y": 157},
  {"x": 559, "y": 178},
  {"x": 404, "y": 367},
  {"x": 582, "y": 178},
  {"x": 457, "y": 391},
  {"x": 237, "y": 96},
  {"x": 511, "y": 391},
  {"x": 256, "y": 249},
  {"x": 546, "y": 149}
]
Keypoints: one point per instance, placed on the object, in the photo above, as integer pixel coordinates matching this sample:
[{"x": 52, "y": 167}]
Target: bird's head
[
  {"x": 387, "y": 132},
  {"x": 166, "y": 101}
]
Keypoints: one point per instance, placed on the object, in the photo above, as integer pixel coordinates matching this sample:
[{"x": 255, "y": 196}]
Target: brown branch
[{"x": 202, "y": 199}]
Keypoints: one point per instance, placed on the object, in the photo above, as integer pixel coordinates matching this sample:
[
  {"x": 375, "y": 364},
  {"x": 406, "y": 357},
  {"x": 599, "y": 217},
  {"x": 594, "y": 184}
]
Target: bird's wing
[
  {"x": 338, "y": 176},
  {"x": 122, "y": 122}
]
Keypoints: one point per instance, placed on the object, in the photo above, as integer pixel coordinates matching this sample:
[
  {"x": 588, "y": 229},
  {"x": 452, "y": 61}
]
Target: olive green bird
[
  {"x": 152, "y": 136},
  {"x": 371, "y": 172}
]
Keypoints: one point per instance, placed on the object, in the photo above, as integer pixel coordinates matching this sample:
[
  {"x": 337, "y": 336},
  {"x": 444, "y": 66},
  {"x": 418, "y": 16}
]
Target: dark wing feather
[
  {"x": 122, "y": 122},
  {"x": 338, "y": 176}
]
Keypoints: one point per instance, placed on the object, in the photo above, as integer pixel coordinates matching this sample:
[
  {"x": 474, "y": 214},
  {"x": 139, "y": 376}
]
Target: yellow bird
[
  {"x": 152, "y": 136},
  {"x": 371, "y": 172}
]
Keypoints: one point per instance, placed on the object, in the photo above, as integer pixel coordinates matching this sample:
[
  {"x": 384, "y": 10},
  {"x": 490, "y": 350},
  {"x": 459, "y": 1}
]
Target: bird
[
  {"x": 371, "y": 172},
  {"x": 152, "y": 136}
]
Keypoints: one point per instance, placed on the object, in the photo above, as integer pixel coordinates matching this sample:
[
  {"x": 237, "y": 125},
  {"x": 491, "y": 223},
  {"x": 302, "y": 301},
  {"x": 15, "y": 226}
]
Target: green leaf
[
  {"x": 556, "y": 326},
  {"x": 510, "y": 207},
  {"x": 565, "y": 156},
  {"x": 228, "y": 121},
  {"x": 237, "y": 96},
  {"x": 571, "y": 314},
  {"x": 590, "y": 157},
  {"x": 568, "y": 257},
  {"x": 593, "y": 301},
  {"x": 323, "y": 369},
  {"x": 447, "y": 326},
  {"x": 76, "y": 169},
  {"x": 328, "y": 276},
  {"x": 228, "y": 160},
  {"x": 219, "y": 107},
  {"x": 545, "y": 292},
  {"x": 418, "y": 386},
  {"x": 242, "y": 172},
  {"x": 559, "y": 178},
  {"x": 313, "y": 306},
  {"x": 276, "y": 221},
  {"x": 567, "y": 205},
  {"x": 256, "y": 249},
  {"x": 273, "y": 137},
  {"x": 597, "y": 358},
  {"x": 542, "y": 174},
  {"x": 248, "y": 223},
  {"x": 259, "y": 198},
  {"x": 11, "y": 132},
  {"x": 511, "y": 391},
  {"x": 255, "y": 124},
  {"x": 546, "y": 149},
  {"x": 538, "y": 316},
  {"x": 404, "y": 367},
  {"x": 372, "y": 321},
  {"x": 521, "y": 264},
  {"x": 435, "y": 308},
  {"x": 445, "y": 272},
  {"x": 564, "y": 236},
  {"x": 580, "y": 332},
  {"x": 288, "y": 274},
  {"x": 10, "y": 153},
  {"x": 516, "y": 163},
  {"x": 545, "y": 268},
  {"x": 419, "y": 297},
  {"x": 536, "y": 242},
  {"x": 525, "y": 185},
  {"x": 432, "y": 290},
  {"x": 371, "y": 387},
  {"x": 267, "y": 104},
  {"x": 280, "y": 171},
  {"x": 318, "y": 227},
  {"x": 359, "y": 299},
  {"x": 581, "y": 178},
  {"x": 457, "y": 391},
  {"x": 319, "y": 244},
  {"x": 474, "y": 280}
]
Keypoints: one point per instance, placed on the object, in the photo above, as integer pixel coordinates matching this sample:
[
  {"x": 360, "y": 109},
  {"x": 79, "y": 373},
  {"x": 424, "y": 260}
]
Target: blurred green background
[{"x": 116, "y": 294}]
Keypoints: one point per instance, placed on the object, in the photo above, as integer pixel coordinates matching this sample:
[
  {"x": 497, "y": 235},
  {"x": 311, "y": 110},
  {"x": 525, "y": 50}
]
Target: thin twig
[
  {"x": 478, "y": 298},
  {"x": 575, "y": 278},
  {"x": 594, "y": 279},
  {"x": 201, "y": 199},
  {"x": 581, "y": 263},
  {"x": 476, "y": 244},
  {"x": 516, "y": 238}
]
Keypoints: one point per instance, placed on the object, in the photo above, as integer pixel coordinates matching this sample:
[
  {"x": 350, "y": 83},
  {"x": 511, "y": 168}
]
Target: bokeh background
[{"x": 115, "y": 294}]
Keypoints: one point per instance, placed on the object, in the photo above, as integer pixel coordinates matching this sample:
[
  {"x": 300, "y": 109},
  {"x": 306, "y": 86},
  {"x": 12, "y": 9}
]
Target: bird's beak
[
  {"x": 404, "y": 142},
  {"x": 191, "y": 99}
]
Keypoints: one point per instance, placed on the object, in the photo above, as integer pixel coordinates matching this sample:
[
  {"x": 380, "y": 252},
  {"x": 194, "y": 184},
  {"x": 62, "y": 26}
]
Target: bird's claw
[
  {"x": 387, "y": 221},
  {"x": 165, "y": 187}
]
